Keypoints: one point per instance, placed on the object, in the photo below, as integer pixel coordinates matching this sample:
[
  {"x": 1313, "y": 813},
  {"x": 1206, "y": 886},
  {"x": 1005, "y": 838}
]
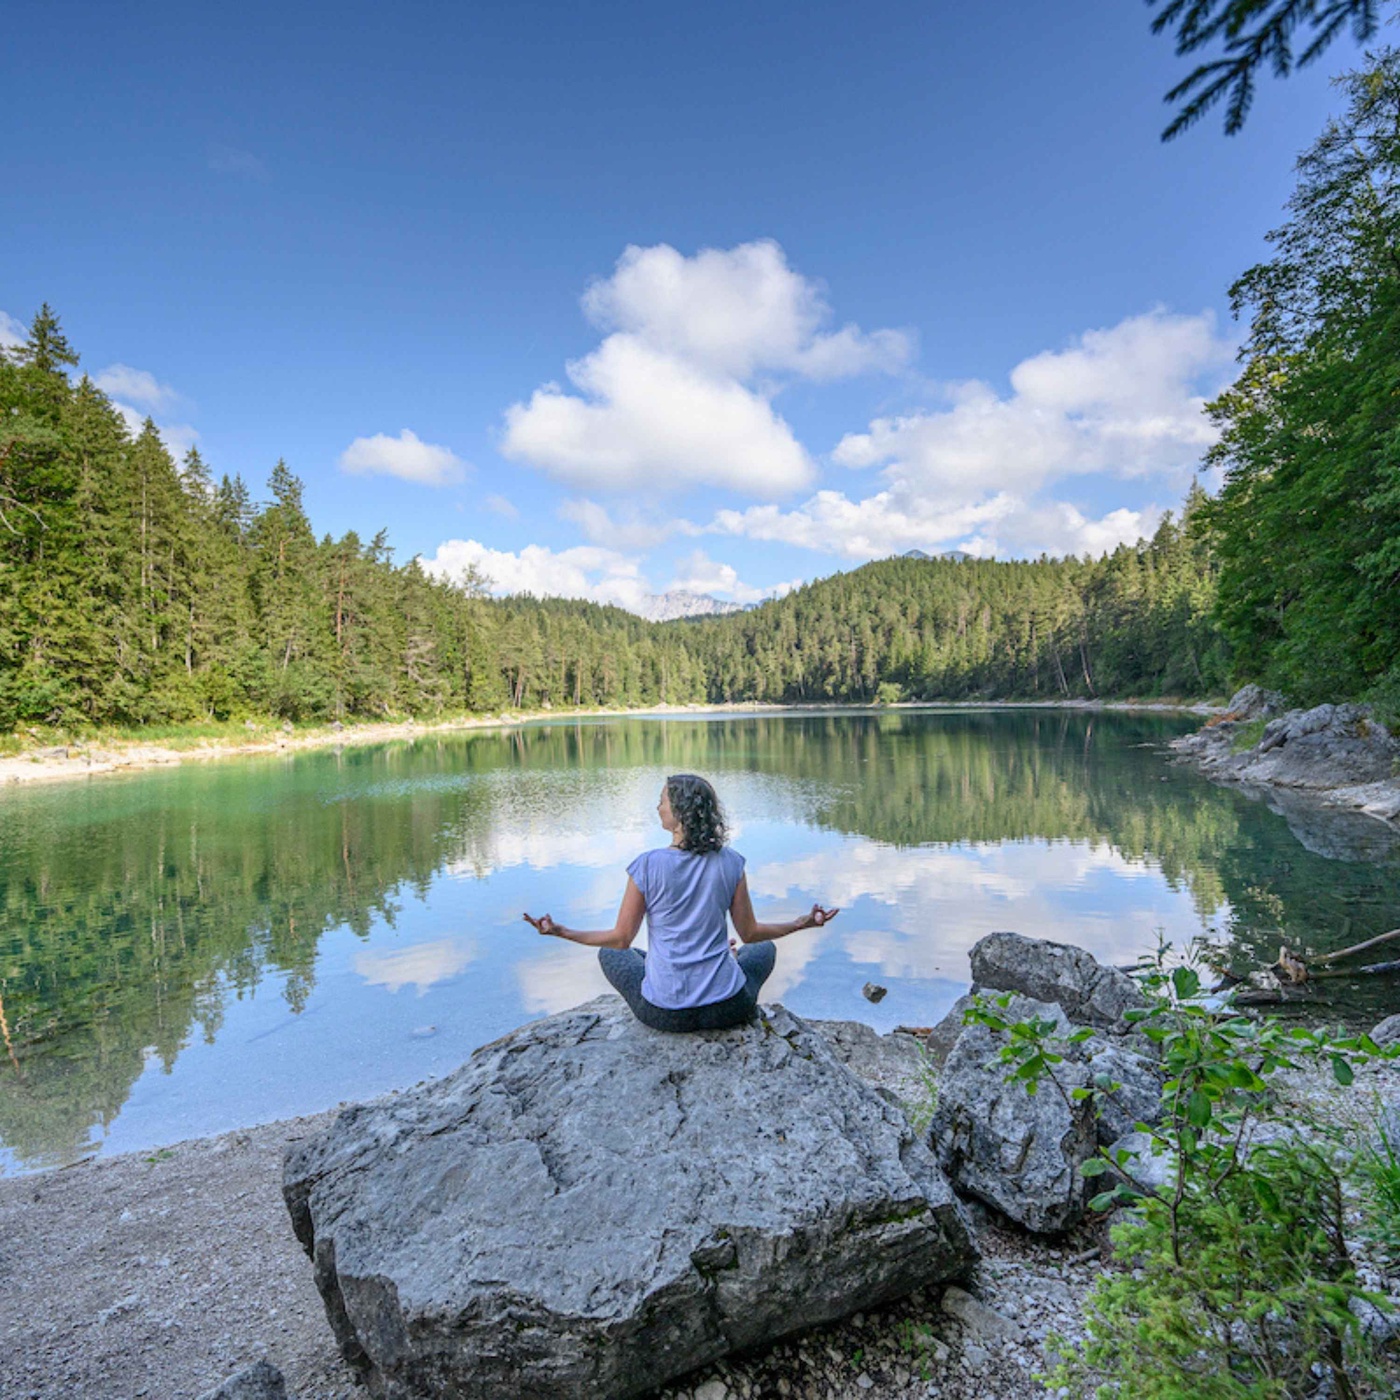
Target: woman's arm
[
  {"x": 751, "y": 931},
  {"x": 620, "y": 935}
]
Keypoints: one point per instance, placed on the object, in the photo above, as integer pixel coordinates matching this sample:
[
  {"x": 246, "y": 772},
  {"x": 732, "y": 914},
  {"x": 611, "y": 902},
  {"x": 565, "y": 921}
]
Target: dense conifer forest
[{"x": 136, "y": 590}]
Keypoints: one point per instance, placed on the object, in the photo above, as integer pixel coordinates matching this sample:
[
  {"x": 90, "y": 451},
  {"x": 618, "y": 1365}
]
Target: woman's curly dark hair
[{"x": 695, "y": 805}]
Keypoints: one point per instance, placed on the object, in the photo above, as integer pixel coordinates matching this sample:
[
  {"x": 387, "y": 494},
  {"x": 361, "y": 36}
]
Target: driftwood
[
  {"x": 1285, "y": 979},
  {"x": 1295, "y": 968},
  {"x": 1358, "y": 947}
]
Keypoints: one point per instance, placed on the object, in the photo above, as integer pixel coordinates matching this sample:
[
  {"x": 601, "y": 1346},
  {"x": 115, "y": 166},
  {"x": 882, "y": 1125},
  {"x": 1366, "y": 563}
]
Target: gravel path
[{"x": 160, "y": 1275}]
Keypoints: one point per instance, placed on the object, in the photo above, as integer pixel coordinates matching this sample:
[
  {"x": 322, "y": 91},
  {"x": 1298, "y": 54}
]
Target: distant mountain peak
[
  {"x": 958, "y": 554},
  {"x": 663, "y": 607}
]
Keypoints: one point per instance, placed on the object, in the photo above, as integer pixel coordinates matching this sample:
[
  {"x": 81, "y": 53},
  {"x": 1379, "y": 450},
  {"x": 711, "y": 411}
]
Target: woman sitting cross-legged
[{"x": 690, "y": 978}]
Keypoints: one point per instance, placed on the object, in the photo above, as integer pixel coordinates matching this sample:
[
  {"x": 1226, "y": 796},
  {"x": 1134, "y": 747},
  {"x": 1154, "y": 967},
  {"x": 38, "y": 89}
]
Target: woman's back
[{"x": 688, "y": 895}]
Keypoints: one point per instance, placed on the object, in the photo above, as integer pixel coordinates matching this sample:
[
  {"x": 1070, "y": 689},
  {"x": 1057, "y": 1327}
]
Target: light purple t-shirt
[{"x": 688, "y": 897}]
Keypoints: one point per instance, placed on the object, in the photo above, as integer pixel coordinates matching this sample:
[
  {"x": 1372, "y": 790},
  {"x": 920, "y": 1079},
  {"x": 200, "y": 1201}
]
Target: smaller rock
[
  {"x": 712, "y": 1390},
  {"x": 287, "y": 726},
  {"x": 1089, "y": 993},
  {"x": 260, "y": 1381},
  {"x": 1388, "y": 1031},
  {"x": 249, "y": 725},
  {"x": 337, "y": 726},
  {"x": 980, "y": 1322},
  {"x": 873, "y": 991},
  {"x": 1018, "y": 1152},
  {"x": 975, "y": 1358},
  {"x": 1254, "y": 702}
]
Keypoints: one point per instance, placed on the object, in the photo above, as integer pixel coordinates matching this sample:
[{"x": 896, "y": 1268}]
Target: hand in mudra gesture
[
  {"x": 544, "y": 924},
  {"x": 818, "y": 918}
]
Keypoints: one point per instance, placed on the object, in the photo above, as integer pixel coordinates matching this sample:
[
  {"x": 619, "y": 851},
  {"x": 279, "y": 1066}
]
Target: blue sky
[{"x": 611, "y": 298}]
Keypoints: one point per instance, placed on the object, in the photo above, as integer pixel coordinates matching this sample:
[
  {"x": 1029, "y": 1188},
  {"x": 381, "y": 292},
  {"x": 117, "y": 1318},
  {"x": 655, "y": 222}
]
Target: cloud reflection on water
[{"x": 422, "y": 965}]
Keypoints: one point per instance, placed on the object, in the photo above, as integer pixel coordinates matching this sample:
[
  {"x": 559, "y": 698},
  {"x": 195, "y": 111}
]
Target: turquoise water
[{"x": 188, "y": 950}]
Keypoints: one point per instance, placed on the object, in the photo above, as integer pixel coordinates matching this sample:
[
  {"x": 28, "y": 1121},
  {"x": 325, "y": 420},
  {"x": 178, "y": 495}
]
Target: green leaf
[
  {"x": 1198, "y": 1109},
  {"x": 1095, "y": 1166},
  {"x": 1341, "y": 1071},
  {"x": 1105, "y": 1200},
  {"x": 1186, "y": 982}
]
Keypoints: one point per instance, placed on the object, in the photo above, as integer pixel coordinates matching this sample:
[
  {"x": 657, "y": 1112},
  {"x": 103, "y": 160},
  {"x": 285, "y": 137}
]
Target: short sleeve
[
  {"x": 640, "y": 871},
  {"x": 736, "y": 868}
]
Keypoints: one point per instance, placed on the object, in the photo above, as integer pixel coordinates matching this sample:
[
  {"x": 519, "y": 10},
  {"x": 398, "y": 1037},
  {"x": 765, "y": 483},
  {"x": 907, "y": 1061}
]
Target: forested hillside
[{"x": 134, "y": 591}]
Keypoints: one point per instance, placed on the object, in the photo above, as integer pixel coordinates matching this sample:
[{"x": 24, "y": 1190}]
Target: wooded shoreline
[{"x": 114, "y": 753}]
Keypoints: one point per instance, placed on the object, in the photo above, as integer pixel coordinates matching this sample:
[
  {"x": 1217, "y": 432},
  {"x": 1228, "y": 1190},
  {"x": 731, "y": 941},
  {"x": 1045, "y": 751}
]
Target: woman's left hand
[{"x": 544, "y": 924}]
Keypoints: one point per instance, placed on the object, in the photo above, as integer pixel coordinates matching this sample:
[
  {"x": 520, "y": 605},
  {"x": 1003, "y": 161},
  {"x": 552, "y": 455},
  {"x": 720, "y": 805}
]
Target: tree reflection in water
[{"x": 134, "y": 909}]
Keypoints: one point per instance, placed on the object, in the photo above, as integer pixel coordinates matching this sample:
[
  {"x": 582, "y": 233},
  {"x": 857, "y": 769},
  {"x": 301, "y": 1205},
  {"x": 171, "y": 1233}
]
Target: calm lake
[{"x": 189, "y": 950}]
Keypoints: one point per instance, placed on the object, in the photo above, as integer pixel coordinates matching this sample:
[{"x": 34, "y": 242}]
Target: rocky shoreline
[
  {"x": 1331, "y": 755},
  {"x": 164, "y": 1274}
]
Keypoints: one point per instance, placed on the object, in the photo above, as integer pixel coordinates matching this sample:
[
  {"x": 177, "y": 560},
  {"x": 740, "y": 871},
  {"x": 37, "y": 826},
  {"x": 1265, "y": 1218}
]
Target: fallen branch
[{"x": 1358, "y": 947}]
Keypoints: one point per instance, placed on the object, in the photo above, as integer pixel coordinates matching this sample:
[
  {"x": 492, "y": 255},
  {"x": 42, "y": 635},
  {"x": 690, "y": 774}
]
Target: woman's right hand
[{"x": 818, "y": 918}]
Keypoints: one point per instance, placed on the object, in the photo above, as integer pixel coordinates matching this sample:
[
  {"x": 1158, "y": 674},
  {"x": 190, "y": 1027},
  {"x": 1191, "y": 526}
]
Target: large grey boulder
[
  {"x": 588, "y": 1208},
  {"x": 1016, "y": 1151},
  {"x": 1089, "y": 993}
]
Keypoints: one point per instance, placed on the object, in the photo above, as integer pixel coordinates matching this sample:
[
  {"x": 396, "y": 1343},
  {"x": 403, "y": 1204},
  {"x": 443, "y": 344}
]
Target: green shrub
[{"x": 1235, "y": 1280}]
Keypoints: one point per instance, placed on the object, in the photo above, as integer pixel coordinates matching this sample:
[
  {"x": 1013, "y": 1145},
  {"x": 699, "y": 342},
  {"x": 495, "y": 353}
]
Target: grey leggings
[{"x": 625, "y": 968}]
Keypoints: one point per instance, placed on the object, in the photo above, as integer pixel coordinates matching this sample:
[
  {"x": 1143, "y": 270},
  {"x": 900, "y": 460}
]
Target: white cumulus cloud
[
  {"x": 406, "y": 457},
  {"x": 136, "y": 386},
  {"x": 585, "y": 571},
  {"x": 735, "y": 312},
  {"x": 12, "y": 333},
  {"x": 986, "y": 470},
  {"x": 593, "y": 572},
  {"x": 1122, "y": 401},
  {"x": 670, "y": 399}
]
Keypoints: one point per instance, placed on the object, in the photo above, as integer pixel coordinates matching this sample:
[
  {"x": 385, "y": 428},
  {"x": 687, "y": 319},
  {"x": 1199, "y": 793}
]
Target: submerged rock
[
  {"x": 589, "y": 1208},
  {"x": 1089, "y": 993}
]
